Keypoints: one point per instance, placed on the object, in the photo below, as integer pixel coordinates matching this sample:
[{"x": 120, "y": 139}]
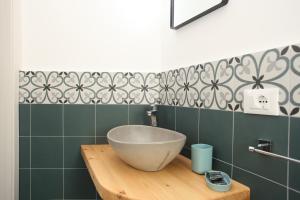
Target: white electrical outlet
[{"x": 261, "y": 101}]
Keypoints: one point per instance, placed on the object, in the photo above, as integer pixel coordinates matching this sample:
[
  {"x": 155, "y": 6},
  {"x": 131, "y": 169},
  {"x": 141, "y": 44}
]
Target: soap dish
[{"x": 218, "y": 181}]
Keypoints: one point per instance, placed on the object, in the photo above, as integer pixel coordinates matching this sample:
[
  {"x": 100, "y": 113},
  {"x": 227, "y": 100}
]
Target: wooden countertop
[{"x": 116, "y": 180}]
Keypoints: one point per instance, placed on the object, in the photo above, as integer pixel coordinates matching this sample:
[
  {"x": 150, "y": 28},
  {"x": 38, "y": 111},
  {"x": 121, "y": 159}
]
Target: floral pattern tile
[
  {"x": 187, "y": 80},
  {"x": 220, "y": 84},
  {"x": 215, "y": 77},
  {"x": 111, "y": 88},
  {"x": 143, "y": 88},
  {"x": 167, "y": 87},
  {"x": 213, "y": 85},
  {"x": 88, "y": 87},
  {"x": 295, "y": 81},
  {"x": 263, "y": 70}
]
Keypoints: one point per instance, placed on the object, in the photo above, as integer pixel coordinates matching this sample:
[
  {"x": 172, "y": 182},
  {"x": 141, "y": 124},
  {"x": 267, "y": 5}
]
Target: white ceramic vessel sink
[{"x": 144, "y": 147}]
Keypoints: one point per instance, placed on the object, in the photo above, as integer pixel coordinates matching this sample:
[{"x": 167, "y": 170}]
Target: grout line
[
  {"x": 175, "y": 118},
  {"x": 95, "y": 114},
  {"x": 30, "y": 119},
  {"x": 128, "y": 115},
  {"x": 66, "y": 136},
  {"x": 294, "y": 190},
  {"x": 288, "y": 162},
  {"x": 198, "y": 124},
  {"x": 232, "y": 144},
  {"x": 63, "y": 138},
  {"x": 222, "y": 161},
  {"x": 51, "y": 168},
  {"x": 95, "y": 140},
  {"x": 260, "y": 176},
  {"x": 288, "y": 144}
]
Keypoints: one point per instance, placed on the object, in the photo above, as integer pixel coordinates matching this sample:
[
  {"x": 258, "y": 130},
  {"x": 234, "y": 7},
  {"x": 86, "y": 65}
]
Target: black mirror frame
[{"x": 223, "y": 3}]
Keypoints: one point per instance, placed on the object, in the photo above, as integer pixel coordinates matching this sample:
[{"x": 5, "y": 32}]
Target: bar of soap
[{"x": 218, "y": 181}]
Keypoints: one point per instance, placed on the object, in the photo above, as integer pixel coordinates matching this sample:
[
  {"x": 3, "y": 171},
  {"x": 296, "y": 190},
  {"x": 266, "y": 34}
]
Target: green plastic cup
[{"x": 201, "y": 158}]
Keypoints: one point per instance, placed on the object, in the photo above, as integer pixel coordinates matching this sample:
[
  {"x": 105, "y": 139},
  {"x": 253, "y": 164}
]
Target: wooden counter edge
[
  {"x": 106, "y": 194},
  {"x": 103, "y": 192}
]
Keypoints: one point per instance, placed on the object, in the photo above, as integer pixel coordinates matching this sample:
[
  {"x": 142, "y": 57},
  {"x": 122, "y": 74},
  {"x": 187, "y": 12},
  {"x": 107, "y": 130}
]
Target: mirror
[{"x": 184, "y": 12}]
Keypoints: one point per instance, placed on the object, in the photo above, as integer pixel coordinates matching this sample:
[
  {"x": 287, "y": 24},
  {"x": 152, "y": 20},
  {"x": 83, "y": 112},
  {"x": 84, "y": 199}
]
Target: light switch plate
[{"x": 261, "y": 101}]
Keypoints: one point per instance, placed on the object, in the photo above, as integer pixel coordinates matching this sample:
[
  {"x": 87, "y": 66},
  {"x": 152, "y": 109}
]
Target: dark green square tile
[
  {"x": 294, "y": 176},
  {"x": 293, "y": 195},
  {"x": 46, "y": 152},
  {"x": 294, "y": 152},
  {"x": 24, "y": 152},
  {"x": 295, "y": 137},
  {"x": 101, "y": 140},
  {"x": 46, "y": 184},
  {"x": 24, "y": 184},
  {"x": 78, "y": 184},
  {"x": 72, "y": 152},
  {"x": 221, "y": 166},
  {"x": 46, "y": 120},
  {"x": 79, "y": 120},
  {"x": 110, "y": 116},
  {"x": 260, "y": 189},
  {"x": 249, "y": 128},
  {"x": 166, "y": 117},
  {"x": 186, "y": 152},
  {"x": 216, "y": 129},
  {"x": 187, "y": 124},
  {"x": 138, "y": 114},
  {"x": 24, "y": 119}
]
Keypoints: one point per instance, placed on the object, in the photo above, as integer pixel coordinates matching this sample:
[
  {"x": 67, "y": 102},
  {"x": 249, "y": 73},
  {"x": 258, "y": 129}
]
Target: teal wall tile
[
  {"x": 110, "y": 116},
  {"x": 293, "y": 195},
  {"x": 216, "y": 129},
  {"x": 101, "y": 140},
  {"x": 186, "y": 152},
  {"x": 260, "y": 188},
  {"x": 138, "y": 115},
  {"x": 46, "y": 120},
  {"x": 166, "y": 117},
  {"x": 46, "y": 184},
  {"x": 24, "y": 152},
  {"x": 46, "y": 152},
  {"x": 294, "y": 153},
  {"x": 24, "y": 119},
  {"x": 187, "y": 123},
  {"x": 79, "y": 120},
  {"x": 72, "y": 152},
  {"x": 78, "y": 184},
  {"x": 221, "y": 166},
  {"x": 24, "y": 184},
  {"x": 294, "y": 175},
  {"x": 249, "y": 128}
]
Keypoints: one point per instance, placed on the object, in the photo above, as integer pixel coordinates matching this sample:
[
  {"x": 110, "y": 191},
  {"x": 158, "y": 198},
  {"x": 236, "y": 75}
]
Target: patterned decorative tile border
[
  {"x": 220, "y": 84},
  {"x": 88, "y": 87},
  {"x": 213, "y": 85}
]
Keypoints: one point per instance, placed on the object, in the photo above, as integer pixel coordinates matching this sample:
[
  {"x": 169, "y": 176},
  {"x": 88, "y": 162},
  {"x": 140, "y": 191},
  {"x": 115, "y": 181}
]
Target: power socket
[{"x": 261, "y": 101}]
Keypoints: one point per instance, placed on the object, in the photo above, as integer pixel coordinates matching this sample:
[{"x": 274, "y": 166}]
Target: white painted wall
[
  {"x": 242, "y": 26},
  {"x": 8, "y": 106},
  {"x": 91, "y": 35},
  {"x": 134, "y": 35}
]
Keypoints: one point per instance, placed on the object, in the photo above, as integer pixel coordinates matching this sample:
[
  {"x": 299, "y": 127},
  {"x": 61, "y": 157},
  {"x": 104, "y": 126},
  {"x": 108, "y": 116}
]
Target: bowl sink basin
[{"x": 145, "y": 147}]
